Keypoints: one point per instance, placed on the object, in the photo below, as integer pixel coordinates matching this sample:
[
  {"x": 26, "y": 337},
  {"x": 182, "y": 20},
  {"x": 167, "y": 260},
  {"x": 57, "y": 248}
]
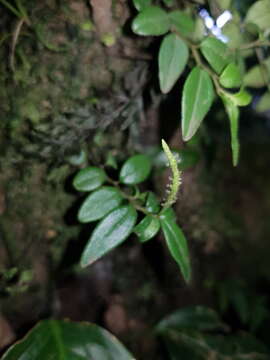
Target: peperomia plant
[
  {"x": 116, "y": 204},
  {"x": 217, "y": 59}
]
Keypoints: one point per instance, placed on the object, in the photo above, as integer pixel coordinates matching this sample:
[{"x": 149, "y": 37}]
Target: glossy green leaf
[
  {"x": 135, "y": 170},
  {"x": 89, "y": 179},
  {"x": 231, "y": 76},
  {"x": 66, "y": 340},
  {"x": 168, "y": 213},
  {"x": 152, "y": 203},
  {"x": 198, "y": 96},
  {"x": 141, "y": 4},
  {"x": 147, "y": 228},
  {"x": 259, "y": 14},
  {"x": 177, "y": 244},
  {"x": 191, "y": 318},
  {"x": 264, "y": 102},
  {"x": 99, "y": 203},
  {"x": 216, "y": 53},
  {"x": 233, "y": 114},
  {"x": 172, "y": 59},
  {"x": 151, "y": 21},
  {"x": 182, "y": 22},
  {"x": 109, "y": 233}
]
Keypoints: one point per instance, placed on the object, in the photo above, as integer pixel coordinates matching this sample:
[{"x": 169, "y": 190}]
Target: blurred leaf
[
  {"x": 258, "y": 75},
  {"x": 199, "y": 30},
  {"x": 233, "y": 114},
  {"x": 216, "y": 53},
  {"x": 152, "y": 203},
  {"x": 89, "y": 179},
  {"x": 54, "y": 339},
  {"x": 141, "y": 4},
  {"x": 182, "y": 22},
  {"x": 109, "y": 233},
  {"x": 264, "y": 102},
  {"x": 168, "y": 213},
  {"x": 191, "y": 318},
  {"x": 147, "y": 228},
  {"x": 172, "y": 59},
  {"x": 198, "y": 96},
  {"x": 177, "y": 244},
  {"x": 235, "y": 37},
  {"x": 99, "y": 203},
  {"x": 135, "y": 170},
  {"x": 224, "y": 4},
  {"x": 259, "y": 312},
  {"x": 151, "y": 21},
  {"x": 231, "y": 76},
  {"x": 187, "y": 158},
  {"x": 259, "y": 14}
]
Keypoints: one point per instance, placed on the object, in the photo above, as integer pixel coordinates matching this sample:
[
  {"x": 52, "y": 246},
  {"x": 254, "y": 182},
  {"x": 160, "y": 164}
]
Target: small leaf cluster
[
  {"x": 218, "y": 69},
  {"x": 118, "y": 204}
]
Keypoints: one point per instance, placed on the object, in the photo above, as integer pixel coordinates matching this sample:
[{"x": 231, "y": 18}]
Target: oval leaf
[
  {"x": 109, "y": 233},
  {"x": 89, "y": 179},
  {"x": 172, "y": 59},
  {"x": 233, "y": 114},
  {"x": 99, "y": 203},
  {"x": 151, "y": 21},
  {"x": 55, "y": 339},
  {"x": 141, "y": 4},
  {"x": 216, "y": 53},
  {"x": 198, "y": 96},
  {"x": 177, "y": 244},
  {"x": 259, "y": 14},
  {"x": 231, "y": 76},
  {"x": 182, "y": 22},
  {"x": 152, "y": 203},
  {"x": 191, "y": 318},
  {"x": 147, "y": 228},
  {"x": 135, "y": 170}
]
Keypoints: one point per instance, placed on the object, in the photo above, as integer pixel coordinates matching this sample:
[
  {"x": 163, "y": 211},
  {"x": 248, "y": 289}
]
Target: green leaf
[
  {"x": 241, "y": 98},
  {"x": 66, "y": 340},
  {"x": 188, "y": 158},
  {"x": 151, "y": 21},
  {"x": 99, "y": 203},
  {"x": 152, "y": 203},
  {"x": 168, "y": 213},
  {"x": 135, "y": 170},
  {"x": 177, "y": 244},
  {"x": 258, "y": 75},
  {"x": 141, "y": 4},
  {"x": 235, "y": 37},
  {"x": 198, "y": 96},
  {"x": 264, "y": 102},
  {"x": 259, "y": 14},
  {"x": 224, "y": 4},
  {"x": 233, "y": 114},
  {"x": 89, "y": 179},
  {"x": 216, "y": 53},
  {"x": 182, "y": 22},
  {"x": 199, "y": 30},
  {"x": 147, "y": 228},
  {"x": 172, "y": 59},
  {"x": 198, "y": 318},
  {"x": 231, "y": 76},
  {"x": 109, "y": 233}
]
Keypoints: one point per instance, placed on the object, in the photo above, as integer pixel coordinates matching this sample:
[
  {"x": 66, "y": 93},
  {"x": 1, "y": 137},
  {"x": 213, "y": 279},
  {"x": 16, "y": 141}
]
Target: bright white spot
[
  {"x": 223, "y": 18},
  {"x": 215, "y": 27}
]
